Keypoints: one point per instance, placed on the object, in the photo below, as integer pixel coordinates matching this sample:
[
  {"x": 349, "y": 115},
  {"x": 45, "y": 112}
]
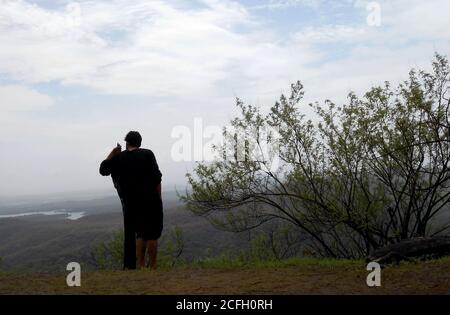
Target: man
[{"x": 137, "y": 178}]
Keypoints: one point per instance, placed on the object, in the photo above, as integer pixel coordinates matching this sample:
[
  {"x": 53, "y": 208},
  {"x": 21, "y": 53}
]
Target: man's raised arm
[{"x": 106, "y": 167}]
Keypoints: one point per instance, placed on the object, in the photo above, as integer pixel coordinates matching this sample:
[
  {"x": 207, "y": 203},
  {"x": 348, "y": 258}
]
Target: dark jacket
[{"x": 135, "y": 174}]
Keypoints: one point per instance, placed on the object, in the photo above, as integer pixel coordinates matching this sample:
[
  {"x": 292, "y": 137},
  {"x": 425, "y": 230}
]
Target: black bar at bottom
[{"x": 309, "y": 304}]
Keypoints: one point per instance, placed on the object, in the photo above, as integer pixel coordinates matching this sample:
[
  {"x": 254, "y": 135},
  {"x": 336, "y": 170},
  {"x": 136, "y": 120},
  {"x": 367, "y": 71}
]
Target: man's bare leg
[
  {"x": 140, "y": 252},
  {"x": 152, "y": 247}
]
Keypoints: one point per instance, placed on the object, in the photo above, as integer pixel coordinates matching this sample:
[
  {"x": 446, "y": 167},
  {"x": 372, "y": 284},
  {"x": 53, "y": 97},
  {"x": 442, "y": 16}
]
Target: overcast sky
[{"x": 76, "y": 76}]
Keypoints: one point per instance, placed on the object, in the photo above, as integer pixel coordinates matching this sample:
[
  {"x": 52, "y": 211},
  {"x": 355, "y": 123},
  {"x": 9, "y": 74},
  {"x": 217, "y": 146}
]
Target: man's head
[{"x": 133, "y": 139}]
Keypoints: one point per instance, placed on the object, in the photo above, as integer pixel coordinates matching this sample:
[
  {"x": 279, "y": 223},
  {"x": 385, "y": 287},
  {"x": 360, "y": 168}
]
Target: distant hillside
[
  {"x": 48, "y": 243},
  {"x": 74, "y": 200}
]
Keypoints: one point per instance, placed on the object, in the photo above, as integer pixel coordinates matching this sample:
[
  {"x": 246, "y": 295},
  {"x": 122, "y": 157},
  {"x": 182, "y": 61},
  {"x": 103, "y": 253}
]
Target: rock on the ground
[{"x": 422, "y": 247}]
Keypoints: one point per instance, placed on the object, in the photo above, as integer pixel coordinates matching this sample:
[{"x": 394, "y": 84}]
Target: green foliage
[
  {"x": 109, "y": 255},
  {"x": 266, "y": 247},
  {"x": 280, "y": 243},
  {"x": 363, "y": 175},
  {"x": 172, "y": 248},
  {"x": 235, "y": 262},
  {"x": 277, "y": 243},
  {"x": 262, "y": 254}
]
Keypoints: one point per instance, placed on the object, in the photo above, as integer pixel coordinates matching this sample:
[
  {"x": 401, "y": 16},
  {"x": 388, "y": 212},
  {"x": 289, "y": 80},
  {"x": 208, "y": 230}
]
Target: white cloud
[
  {"x": 162, "y": 50},
  {"x": 21, "y": 98},
  {"x": 418, "y": 20},
  {"x": 285, "y": 4},
  {"x": 159, "y": 48},
  {"x": 330, "y": 34}
]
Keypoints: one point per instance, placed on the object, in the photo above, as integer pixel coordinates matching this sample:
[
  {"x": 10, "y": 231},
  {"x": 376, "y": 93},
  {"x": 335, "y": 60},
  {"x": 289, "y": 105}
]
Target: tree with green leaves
[{"x": 353, "y": 178}]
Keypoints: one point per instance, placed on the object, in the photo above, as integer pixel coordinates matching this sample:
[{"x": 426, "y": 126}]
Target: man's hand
[
  {"x": 114, "y": 152},
  {"x": 117, "y": 149}
]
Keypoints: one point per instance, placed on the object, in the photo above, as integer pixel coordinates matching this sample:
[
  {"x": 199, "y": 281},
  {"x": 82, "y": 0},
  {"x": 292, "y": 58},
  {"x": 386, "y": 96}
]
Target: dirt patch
[{"x": 425, "y": 278}]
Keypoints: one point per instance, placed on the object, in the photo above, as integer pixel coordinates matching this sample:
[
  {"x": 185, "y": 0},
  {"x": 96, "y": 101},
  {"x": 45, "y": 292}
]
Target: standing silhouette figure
[{"x": 137, "y": 179}]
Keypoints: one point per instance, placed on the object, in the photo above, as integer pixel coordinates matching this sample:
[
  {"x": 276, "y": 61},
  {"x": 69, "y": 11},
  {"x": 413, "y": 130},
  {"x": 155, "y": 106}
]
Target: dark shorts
[{"x": 146, "y": 218}]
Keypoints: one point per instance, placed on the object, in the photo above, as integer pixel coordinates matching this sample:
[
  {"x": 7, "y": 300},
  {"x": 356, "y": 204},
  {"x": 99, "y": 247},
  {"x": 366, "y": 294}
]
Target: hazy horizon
[{"x": 88, "y": 194}]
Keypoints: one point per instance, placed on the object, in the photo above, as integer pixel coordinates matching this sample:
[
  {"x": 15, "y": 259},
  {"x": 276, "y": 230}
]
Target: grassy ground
[{"x": 296, "y": 276}]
